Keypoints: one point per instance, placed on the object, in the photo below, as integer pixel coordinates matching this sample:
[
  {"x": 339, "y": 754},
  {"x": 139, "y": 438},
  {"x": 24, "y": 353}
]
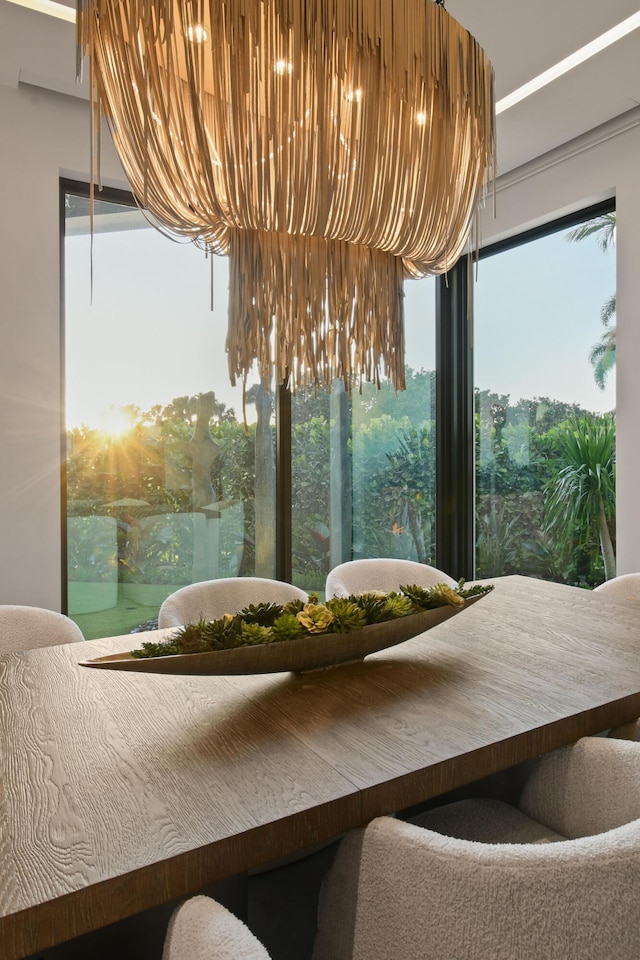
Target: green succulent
[
  {"x": 165, "y": 648},
  {"x": 396, "y": 605},
  {"x": 372, "y": 605},
  {"x": 219, "y": 634},
  {"x": 268, "y": 622},
  {"x": 287, "y": 627},
  {"x": 347, "y": 615},
  {"x": 293, "y": 606},
  {"x": 261, "y": 613},
  {"x": 427, "y": 598},
  {"x": 477, "y": 590},
  {"x": 254, "y": 633}
]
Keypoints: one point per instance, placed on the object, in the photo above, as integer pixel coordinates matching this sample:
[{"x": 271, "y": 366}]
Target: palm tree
[
  {"x": 602, "y": 227},
  {"x": 582, "y": 496},
  {"x": 602, "y": 355}
]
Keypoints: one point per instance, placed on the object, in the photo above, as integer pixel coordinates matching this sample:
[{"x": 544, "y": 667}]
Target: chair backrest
[
  {"x": 211, "y": 599},
  {"x": 202, "y": 929},
  {"x": 24, "y": 628},
  {"x": 401, "y": 890},
  {"x": 624, "y": 587},
  {"x": 586, "y": 788},
  {"x": 361, "y": 576}
]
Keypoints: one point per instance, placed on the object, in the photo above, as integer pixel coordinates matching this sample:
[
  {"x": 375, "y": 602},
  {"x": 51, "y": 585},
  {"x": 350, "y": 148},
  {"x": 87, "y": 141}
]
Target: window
[
  {"x": 363, "y": 467},
  {"x": 545, "y": 404},
  {"x": 170, "y": 481},
  {"x": 164, "y": 485}
]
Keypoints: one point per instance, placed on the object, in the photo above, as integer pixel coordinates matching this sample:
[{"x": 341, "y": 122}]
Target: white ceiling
[{"x": 522, "y": 40}]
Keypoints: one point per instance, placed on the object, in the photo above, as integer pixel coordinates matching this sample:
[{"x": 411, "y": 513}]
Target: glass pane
[
  {"x": 165, "y": 486},
  {"x": 363, "y": 468},
  {"x": 545, "y": 407}
]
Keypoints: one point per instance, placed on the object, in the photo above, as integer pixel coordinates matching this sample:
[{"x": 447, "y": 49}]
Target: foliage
[
  {"x": 602, "y": 355},
  {"x": 581, "y": 498},
  {"x": 378, "y": 464},
  {"x": 257, "y": 624}
]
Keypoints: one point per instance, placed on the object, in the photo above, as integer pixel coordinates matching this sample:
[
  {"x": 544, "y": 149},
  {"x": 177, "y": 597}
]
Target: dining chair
[
  {"x": 624, "y": 587},
  {"x": 24, "y": 628},
  {"x": 202, "y": 929},
  {"x": 211, "y": 599},
  {"x": 361, "y": 576},
  {"x": 554, "y": 878}
]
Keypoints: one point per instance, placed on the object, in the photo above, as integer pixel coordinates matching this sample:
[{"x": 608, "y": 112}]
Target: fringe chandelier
[{"x": 330, "y": 148}]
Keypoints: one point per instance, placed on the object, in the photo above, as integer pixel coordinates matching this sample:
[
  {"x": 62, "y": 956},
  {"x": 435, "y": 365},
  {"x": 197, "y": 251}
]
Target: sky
[{"x": 147, "y": 333}]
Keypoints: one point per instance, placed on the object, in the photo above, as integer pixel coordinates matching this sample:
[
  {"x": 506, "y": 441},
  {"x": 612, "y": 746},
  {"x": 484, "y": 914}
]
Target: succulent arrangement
[{"x": 272, "y": 622}]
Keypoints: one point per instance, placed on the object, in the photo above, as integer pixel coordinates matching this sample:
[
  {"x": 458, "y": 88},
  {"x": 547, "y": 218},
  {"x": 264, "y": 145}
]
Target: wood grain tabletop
[{"x": 120, "y": 791}]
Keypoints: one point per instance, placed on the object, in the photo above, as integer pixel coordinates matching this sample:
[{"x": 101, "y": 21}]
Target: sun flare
[{"x": 116, "y": 421}]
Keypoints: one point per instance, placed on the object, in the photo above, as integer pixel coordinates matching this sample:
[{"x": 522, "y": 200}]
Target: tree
[
  {"x": 582, "y": 495},
  {"x": 602, "y": 355}
]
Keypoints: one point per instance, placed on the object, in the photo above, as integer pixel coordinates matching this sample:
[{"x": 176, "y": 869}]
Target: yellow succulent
[
  {"x": 448, "y": 594},
  {"x": 315, "y": 617}
]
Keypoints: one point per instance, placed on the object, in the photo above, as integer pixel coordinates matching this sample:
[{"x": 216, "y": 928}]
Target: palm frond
[
  {"x": 608, "y": 310},
  {"x": 602, "y": 227},
  {"x": 602, "y": 356}
]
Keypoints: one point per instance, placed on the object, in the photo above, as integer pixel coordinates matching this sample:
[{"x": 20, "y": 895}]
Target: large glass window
[
  {"x": 172, "y": 478},
  {"x": 363, "y": 467},
  {"x": 165, "y": 484},
  {"x": 545, "y": 406}
]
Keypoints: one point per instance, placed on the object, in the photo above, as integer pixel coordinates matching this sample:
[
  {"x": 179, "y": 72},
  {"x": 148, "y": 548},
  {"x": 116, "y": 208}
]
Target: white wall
[
  {"x": 42, "y": 135},
  {"x": 601, "y": 164},
  {"x": 45, "y": 134}
]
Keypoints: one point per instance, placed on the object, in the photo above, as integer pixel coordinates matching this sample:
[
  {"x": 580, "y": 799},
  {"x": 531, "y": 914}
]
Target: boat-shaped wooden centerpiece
[{"x": 311, "y": 651}]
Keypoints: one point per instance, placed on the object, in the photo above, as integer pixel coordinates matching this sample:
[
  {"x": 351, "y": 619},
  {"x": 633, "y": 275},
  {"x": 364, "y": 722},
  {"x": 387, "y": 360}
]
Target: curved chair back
[
  {"x": 413, "y": 890},
  {"x": 202, "y": 929},
  {"x": 624, "y": 587},
  {"x": 24, "y": 628},
  {"x": 361, "y": 576},
  {"x": 211, "y": 599}
]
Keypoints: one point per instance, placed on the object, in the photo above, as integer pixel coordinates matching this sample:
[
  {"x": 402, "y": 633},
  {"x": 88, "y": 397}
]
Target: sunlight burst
[{"x": 116, "y": 421}]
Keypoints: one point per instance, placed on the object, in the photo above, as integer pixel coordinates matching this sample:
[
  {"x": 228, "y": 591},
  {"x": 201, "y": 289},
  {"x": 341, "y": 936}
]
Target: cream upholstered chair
[
  {"x": 202, "y": 929},
  {"x": 624, "y": 587},
  {"x": 211, "y": 599},
  {"x": 23, "y": 628},
  {"x": 555, "y": 879},
  {"x": 361, "y": 576}
]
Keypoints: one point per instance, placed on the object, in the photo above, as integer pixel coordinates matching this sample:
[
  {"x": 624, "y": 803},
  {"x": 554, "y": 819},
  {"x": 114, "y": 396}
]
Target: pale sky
[{"x": 149, "y": 334}]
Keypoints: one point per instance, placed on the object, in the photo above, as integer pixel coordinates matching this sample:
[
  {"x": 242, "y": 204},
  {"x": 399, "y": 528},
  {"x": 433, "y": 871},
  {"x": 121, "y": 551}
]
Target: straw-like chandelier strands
[{"x": 329, "y": 148}]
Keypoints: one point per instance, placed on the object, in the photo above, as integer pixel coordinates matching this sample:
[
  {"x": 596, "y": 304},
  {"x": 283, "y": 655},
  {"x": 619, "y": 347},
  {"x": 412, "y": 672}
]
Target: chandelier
[{"x": 329, "y": 148}]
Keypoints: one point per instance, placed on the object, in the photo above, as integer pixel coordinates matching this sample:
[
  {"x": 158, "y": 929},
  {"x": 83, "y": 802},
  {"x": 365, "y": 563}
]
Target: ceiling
[
  {"x": 524, "y": 39},
  {"x": 521, "y": 39}
]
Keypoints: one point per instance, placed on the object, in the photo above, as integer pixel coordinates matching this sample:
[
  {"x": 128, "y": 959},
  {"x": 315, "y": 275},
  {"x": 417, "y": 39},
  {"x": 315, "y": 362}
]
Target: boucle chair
[
  {"x": 211, "y": 599},
  {"x": 555, "y": 879},
  {"x": 202, "y": 929},
  {"x": 24, "y": 628},
  {"x": 361, "y": 576},
  {"x": 624, "y": 587}
]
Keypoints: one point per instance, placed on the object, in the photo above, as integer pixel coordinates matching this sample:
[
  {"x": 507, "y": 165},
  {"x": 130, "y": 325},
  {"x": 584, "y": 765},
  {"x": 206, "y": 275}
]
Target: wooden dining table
[{"x": 121, "y": 791}]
